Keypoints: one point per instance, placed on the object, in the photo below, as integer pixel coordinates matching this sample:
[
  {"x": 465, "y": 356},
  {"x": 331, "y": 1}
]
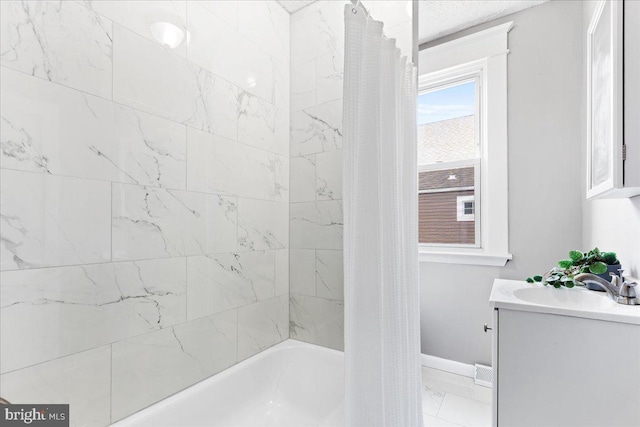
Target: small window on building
[
  {"x": 465, "y": 208},
  {"x": 449, "y": 163}
]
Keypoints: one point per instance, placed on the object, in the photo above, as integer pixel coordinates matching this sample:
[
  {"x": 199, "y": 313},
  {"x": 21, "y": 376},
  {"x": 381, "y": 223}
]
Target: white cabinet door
[{"x": 561, "y": 371}]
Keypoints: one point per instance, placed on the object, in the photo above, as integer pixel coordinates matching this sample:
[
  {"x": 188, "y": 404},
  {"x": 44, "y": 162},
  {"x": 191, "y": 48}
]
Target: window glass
[
  {"x": 448, "y": 152},
  {"x": 447, "y": 124}
]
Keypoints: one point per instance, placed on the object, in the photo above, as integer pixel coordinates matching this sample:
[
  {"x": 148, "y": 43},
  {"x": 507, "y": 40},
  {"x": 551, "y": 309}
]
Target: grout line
[
  {"x": 110, "y": 224},
  {"x": 111, "y": 383},
  {"x": 151, "y": 113},
  {"x": 148, "y": 332},
  {"x": 237, "y": 334},
  {"x": 154, "y": 188},
  {"x": 315, "y": 271},
  {"x": 444, "y": 395}
]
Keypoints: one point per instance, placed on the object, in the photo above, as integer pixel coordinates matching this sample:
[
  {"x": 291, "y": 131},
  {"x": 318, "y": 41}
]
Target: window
[
  {"x": 465, "y": 208},
  {"x": 462, "y": 150},
  {"x": 449, "y": 162}
]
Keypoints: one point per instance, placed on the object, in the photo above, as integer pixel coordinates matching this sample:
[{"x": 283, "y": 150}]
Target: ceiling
[
  {"x": 294, "y": 5},
  {"x": 439, "y": 18}
]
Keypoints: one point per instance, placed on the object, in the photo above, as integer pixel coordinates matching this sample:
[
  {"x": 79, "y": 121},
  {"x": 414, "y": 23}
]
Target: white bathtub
[{"x": 291, "y": 384}]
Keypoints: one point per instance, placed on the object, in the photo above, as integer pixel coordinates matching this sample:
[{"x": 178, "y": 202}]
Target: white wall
[
  {"x": 612, "y": 225},
  {"x": 545, "y": 184},
  {"x": 144, "y": 198}
]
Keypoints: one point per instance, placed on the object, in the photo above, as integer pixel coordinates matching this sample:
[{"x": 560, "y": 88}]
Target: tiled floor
[{"x": 450, "y": 400}]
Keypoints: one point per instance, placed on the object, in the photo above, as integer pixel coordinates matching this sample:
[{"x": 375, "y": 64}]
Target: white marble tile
[
  {"x": 219, "y": 48},
  {"x": 316, "y": 225},
  {"x": 225, "y": 339},
  {"x": 303, "y": 272},
  {"x": 329, "y": 175},
  {"x": 223, "y": 281},
  {"x": 262, "y": 325},
  {"x": 431, "y": 400},
  {"x": 317, "y": 321},
  {"x": 262, "y": 125},
  {"x": 53, "y": 129},
  {"x": 303, "y": 86},
  {"x": 282, "y": 79},
  {"x": 151, "y": 367},
  {"x": 464, "y": 411},
  {"x": 266, "y": 23},
  {"x": 262, "y": 225},
  {"x": 329, "y": 274},
  {"x": 64, "y": 310},
  {"x": 223, "y": 9},
  {"x": 330, "y": 71},
  {"x": 140, "y": 16},
  {"x": 63, "y": 42},
  {"x": 158, "y": 223},
  {"x": 149, "y": 77},
  {"x": 281, "y": 168},
  {"x": 282, "y": 271},
  {"x": 81, "y": 380},
  {"x": 48, "y": 220},
  {"x": 219, "y": 165},
  {"x": 317, "y": 129},
  {"x": 317, "y": 30},
  {"x": 303, "y": 178}
]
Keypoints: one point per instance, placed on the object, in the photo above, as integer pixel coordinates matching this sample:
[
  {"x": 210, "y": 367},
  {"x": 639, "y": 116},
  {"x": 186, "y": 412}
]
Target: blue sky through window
[{"x": 449, "y": 103}]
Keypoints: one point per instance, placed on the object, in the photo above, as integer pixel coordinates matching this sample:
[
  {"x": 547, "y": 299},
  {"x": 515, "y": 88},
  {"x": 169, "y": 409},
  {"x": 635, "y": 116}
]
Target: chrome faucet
[{"x": 619, "y": 289}]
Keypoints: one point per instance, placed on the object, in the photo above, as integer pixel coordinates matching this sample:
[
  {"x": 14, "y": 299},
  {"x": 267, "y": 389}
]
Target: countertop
[{"x": 575, "y": 302}]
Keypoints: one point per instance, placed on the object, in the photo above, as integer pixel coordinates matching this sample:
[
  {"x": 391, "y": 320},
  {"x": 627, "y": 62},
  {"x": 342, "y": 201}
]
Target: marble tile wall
[
  {"x": 315, "y": 222},
  {"x": 144, "y": 197}
]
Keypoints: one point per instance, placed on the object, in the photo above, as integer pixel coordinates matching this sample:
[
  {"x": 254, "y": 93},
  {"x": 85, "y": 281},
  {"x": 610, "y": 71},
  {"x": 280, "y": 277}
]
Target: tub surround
[
  {"x": 147, "y": 205},
  {"x": 144, "y": 200}
]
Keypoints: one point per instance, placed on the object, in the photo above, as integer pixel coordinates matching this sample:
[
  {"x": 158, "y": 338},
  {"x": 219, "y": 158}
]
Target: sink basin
[{"x": 567, "y": 298}]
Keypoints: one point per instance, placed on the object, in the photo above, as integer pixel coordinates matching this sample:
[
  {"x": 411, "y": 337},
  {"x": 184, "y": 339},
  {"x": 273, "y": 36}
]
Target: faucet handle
[
  {"x": 627, "y": 289},
  {"x": 616, "y": 280}
]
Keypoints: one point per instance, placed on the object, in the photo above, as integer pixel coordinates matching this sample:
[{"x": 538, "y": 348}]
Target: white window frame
[
  {"x": 483, "y": 54},
  {"x": 461, "y": 202},
  {"x": 455, "y": 78}
]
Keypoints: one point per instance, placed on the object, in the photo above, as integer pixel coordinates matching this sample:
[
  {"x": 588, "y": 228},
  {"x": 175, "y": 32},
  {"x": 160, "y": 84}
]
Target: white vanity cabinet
[{"x": 564, "y": 358}]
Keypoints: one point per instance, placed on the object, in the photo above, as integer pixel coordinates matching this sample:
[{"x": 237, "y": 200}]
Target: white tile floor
[{"x": 450, "y": 400}]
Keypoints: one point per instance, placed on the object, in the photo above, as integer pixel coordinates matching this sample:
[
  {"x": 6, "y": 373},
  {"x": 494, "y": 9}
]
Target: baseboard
[{"x": 447, "y": 365}]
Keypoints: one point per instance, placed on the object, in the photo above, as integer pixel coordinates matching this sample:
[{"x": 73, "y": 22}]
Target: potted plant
[{"x": 594, "y": 262}]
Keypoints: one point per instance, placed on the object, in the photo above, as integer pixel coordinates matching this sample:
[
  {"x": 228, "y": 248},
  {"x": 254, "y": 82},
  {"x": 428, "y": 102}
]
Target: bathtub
[{"x": 291, "y": 384}]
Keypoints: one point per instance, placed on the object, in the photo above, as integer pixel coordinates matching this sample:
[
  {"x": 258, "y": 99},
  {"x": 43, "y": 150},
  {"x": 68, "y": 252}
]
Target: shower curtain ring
[{"x": 355, "y": 6}]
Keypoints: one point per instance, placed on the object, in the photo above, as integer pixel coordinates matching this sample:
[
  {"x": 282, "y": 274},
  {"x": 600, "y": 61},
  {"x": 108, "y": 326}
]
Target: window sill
[{"x": 495, "y": 260}]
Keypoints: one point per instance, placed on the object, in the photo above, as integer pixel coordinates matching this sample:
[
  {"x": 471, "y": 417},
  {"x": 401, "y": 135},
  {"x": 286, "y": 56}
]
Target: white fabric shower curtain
[{"x": 382, "y": 348}]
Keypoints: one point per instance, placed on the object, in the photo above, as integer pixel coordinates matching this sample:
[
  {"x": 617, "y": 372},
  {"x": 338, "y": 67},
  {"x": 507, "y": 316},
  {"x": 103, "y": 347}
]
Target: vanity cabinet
[{"x": 556, "y": 367}]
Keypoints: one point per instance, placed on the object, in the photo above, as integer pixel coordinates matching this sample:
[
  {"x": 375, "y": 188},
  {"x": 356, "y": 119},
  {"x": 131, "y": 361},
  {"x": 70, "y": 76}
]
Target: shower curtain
[{"x": 382, "y": 351}]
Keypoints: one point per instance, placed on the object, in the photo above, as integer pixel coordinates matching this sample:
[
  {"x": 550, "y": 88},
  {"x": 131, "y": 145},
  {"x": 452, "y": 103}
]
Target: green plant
[{"x": 594, "y": 261}]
